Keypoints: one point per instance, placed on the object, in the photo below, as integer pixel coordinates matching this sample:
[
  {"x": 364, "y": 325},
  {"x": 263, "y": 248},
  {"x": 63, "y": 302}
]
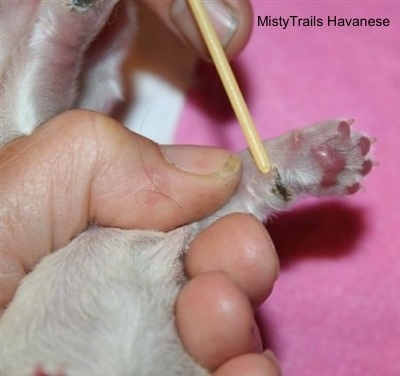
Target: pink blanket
[{"x": 336, "y": 307}]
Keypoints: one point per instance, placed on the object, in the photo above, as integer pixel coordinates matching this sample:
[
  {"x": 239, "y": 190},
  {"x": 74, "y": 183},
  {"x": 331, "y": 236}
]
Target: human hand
[
  {"x": 232, "y": 21},
  {"x": 82, "y": 167}
]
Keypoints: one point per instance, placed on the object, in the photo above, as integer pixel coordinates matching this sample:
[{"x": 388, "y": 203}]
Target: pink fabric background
[{"x": 336, "y": 307}]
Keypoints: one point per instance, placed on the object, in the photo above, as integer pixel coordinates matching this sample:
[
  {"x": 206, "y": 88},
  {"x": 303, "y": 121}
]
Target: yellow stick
[{"x": 231, "y": 86}]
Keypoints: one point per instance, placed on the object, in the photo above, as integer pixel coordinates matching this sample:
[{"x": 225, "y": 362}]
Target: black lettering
[
  {"x": 331, "y": 20},
  {"x": 314, "y": 21},
  {"x": 358, "y": 22},
  {"x": 261, "y": 22},
  {"x": 345, "y": 21},
  {"x": 362, "y": 22}
]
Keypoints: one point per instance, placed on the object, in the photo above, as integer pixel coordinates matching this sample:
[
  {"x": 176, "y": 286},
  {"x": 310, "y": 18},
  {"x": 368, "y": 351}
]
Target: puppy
[{"x": 104, "y": 304}]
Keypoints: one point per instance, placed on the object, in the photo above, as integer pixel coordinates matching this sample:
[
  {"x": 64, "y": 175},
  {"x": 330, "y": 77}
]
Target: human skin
[
  {"x": 189, "y": 34},
  {"x": 106, "y": 174},
  {"x": 210, "y": 253},
  {"x": 228, "y": 276}
]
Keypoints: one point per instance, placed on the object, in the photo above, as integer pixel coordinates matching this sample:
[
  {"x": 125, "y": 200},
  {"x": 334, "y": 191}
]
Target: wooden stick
[{"x": 231, "y": 86}]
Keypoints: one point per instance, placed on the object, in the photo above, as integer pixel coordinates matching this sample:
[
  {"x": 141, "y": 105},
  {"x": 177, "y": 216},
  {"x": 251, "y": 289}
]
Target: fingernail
[
  {"x": 202, "y": 160},
  {"x": 221, "y": 15}
]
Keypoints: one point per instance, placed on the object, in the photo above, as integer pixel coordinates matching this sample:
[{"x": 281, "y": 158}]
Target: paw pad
[
  {"x": 329, "y": 158},
  {"x": 343, "y": 129},
  {"x": 331, "y": 162},
  {"x": 364, "y": 144}
]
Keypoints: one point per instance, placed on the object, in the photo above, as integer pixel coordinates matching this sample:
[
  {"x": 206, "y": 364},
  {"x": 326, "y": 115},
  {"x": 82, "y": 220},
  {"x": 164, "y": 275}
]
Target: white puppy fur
[{"x": 104, "y": 304}]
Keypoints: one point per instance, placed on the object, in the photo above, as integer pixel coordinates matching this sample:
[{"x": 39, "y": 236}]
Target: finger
[
  {"x": 250, "y": 365},
  {"x": 232, "y": 20},
  {"x": 215, "y": 320},
  {"x": 240, "y": 246},
  {"x": 83, "y": 167}
]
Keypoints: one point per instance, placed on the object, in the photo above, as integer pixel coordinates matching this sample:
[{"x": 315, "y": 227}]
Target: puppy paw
[
  {"x": 329, "y": 158},
  {"x": 326, "y": 159},
  {"x": 342, "y": 157}
]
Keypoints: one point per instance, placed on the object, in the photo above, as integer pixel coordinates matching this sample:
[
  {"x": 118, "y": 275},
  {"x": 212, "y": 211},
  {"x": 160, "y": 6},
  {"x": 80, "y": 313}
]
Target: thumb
[
  {"x": 139, "y": 184},
  {"x": 83, "y": 167}
]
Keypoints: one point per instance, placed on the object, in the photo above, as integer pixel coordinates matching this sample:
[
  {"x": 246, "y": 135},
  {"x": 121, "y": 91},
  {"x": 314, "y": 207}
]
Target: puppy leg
[
  {"x": 103, "y": 305},
  {"x": 101, "y": 82},
  {"x": 16, "y": 17},
  {"x": 326, "y": 159},
  {"x": 43, "y": 69}
]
